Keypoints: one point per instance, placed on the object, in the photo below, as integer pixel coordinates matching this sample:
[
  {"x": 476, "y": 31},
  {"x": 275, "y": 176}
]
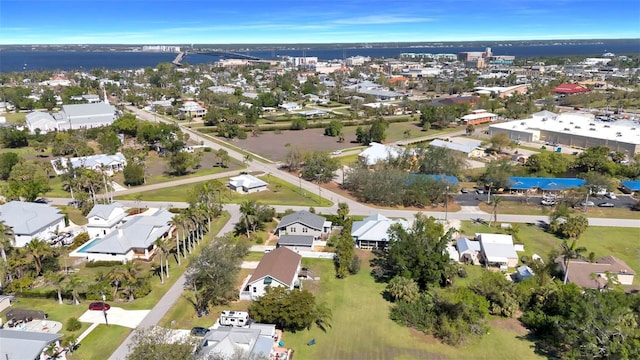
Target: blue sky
[{"x": 315, "y": 21}]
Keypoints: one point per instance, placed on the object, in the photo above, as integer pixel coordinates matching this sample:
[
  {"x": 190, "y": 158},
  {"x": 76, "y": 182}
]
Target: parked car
[
  {"x": 464, "y": 190},
  {"x": 199, "y": 331},
  {"x": 611, "y": 195},
  {"x": 588, "y": 203},
  {"x": 607, "y": 204},
  {"x": 336, "y": 152},
  {"x": 480, "y": 191},
  {"x": 547, "y": 202},
  {"x": 100, "y": 306}
]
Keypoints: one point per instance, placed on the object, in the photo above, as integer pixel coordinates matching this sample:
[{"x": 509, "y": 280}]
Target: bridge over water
[{"x": 221, "y": 53}]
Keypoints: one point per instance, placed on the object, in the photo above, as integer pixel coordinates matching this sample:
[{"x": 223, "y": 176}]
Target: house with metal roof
[
  {"x": 373, "y": 231},
  {"x": 135, "y": 239},
  {"x": 469, "y": 147},
  {"x": 246, "y": 184},
  {"x": 296, "y": 242},
  {"x": 468, "y": 250},
  {"x": 25, "y": 345},
  {"x": 104, "y": 218},
  {"x": 630, "y": 186},
  {"x": 377, "y": 153},
  {"x": 544, "y": 184},
  {"x": 279, "y": 267},
  {"x": 304, "y": 223},
  {"x": 78, "y": 116},
  {"x": 234, "y": 342},
  {"x": 42, "y": 121},
  {"x": 497, "y": 250},
  {"x": 110, "y": 164},
  {"x": 31, "y": 220}
]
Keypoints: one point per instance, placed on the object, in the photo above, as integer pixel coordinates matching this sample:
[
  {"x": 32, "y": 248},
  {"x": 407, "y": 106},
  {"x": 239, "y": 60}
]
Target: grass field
[
  {"x": 362, "y": 328},
  {"x": 603, "y": 241},
  {"x": 100, "y": 343},
  {"x": 280, "y": 193}
]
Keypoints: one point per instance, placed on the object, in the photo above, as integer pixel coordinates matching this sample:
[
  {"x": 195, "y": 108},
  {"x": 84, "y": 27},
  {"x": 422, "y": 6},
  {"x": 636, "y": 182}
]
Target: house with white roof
[
  {"x": 31, "y": 220},
  {"x": 304, "y": 223},
  {"x": 104, "y": 218},
  {"x": 193, "y": 109},
  {"x": 469, "y": 147},
  {"x": 110, "y": 164},
  {"x": 468, "y": 251},
  {"x": 254, "y": 342},
  {"x": 497, "y": 250},
  {"x": 279, "y": 267},
  {"x": 78, "y": 116},
  {"x": 373, "y": 231},
  {"x": 135, "y": 239},
  {"x": 20, "y": 345},
  {"x": 290, "y": 107},
  {"x": 377, "y": 152},
  {"x": 246, "y": 184}
]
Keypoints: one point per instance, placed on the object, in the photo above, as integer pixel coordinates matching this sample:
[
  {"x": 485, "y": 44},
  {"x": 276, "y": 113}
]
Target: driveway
[{"x": 115, "y": 316}]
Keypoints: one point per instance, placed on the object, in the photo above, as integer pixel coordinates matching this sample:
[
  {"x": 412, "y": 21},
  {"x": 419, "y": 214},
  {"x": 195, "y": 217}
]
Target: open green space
[
  {"x": 362, "y": 328},
  {"x": 14, "y": 117},
  {"x": 100, "y": 343},
  {"x": 75, "y": 215},
  {"x": 533, "y": 208},
  {"x": 279, "y": 192},
  {"x": 603, "y": 241}
]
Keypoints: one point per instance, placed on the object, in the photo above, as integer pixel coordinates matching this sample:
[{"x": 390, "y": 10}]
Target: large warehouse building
[{"x": 579, "y": 130}]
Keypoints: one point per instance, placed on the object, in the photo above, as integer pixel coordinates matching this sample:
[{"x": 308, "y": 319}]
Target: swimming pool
[{"x": 87, "y": 246}]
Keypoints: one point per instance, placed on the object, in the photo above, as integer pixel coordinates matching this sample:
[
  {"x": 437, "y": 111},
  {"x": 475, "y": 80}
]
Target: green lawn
[
  {"x": 280, "y": 193},
  {"x": 75, "y": 215},
  {"x": 603, "y": 241},
  {"x": 362, "y": 328},
  {"x": 13, "y": 117},
  {"x": 100, "y": 343}
]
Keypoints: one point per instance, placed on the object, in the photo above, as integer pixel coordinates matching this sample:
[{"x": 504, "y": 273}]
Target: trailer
[{"x": 234, "y": 318}]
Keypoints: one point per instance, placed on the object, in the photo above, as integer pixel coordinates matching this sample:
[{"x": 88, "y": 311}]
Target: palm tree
[
  {"x": 39, "y": 250},
  {"x": 570, "y": 251},
  {"x": 495, "y": 202},
  {"x": 402, "y": 288},
  {"x": 176, "y": 222},
  {"x": 58, "y": 280},
  {"x": 161, "y": 246},
  {"x": 74, "y": 283},
  {"x": 125, "y": 274},
  {"x": 7, "y": 239},
  {"x": 323, "y": 316},
  {"x": 248, "y": 211}
]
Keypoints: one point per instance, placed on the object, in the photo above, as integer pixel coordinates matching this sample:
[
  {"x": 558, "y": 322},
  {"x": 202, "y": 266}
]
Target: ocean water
[{"x": 68, "y": 60}]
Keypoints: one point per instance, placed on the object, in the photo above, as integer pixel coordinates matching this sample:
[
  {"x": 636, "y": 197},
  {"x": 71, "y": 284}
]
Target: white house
[
  {"x": 246, "y": 184},
  {"x": 135, "y": 239},
  {"x": 469, "y": 147},
  {"x": 253, "y": 342},
  {"x": 31, "y": 220},
  {"x": 373, "y": 232},
  {"x": 304, "y": 223},
  {"x": 110, "y": 164},
  {"x": 192, "y": 108},
  {"x": 290, "y": 107},
  {"x": 468, "y": 251},
  {"x": 279, "y": 267},
  {"x": 498, "y": 250},
  {"x": 104, "y": 218},
  {"x": 26, "y": 344},
  {"x": 377, "y": 152}
]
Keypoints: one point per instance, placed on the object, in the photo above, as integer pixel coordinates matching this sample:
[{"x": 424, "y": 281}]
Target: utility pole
[{"x": 446, "y": 204}]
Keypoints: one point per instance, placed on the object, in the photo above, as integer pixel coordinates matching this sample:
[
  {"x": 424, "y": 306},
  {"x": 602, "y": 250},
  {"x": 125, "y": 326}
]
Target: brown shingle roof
[
  {"x": 580, "y": 272},
  {"x": 280, "y": 264}
]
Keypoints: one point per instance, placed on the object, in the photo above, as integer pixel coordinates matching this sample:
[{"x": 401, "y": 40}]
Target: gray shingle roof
[
  {"x": 304, "y": 217},
  {"x": 24, "y": 344},
  {"x": 295, "y": 240},
  {"x": 29, "y": 218}
]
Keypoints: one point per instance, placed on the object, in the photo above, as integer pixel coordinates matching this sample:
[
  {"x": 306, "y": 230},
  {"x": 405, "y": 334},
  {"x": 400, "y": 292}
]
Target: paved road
[{"x": 174, "y": 293}]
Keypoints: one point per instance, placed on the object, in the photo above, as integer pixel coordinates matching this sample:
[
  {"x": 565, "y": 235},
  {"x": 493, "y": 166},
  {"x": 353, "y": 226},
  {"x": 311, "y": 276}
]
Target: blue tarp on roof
[
  {"x": 448, "y": 179},
  {"x": 526, "y": 183},
  {"x": 632, "y": 185}
]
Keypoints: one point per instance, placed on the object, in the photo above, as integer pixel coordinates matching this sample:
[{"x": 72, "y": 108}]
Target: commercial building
[
  {"x": 479, "y": 116},
  {"x": 77, "y": 116},
  {"x": 578, "y": 130}
]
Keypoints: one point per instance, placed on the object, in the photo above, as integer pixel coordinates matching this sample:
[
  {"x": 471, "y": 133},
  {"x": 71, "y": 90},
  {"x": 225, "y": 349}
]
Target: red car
[{"x": 100, "y": 306}]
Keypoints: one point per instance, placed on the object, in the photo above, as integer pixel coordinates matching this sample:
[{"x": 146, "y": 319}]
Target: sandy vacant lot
[{"x": 272, "y": 145}]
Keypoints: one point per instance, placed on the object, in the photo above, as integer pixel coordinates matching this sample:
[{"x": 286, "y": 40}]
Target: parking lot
[{"x": 473, "y": 199}]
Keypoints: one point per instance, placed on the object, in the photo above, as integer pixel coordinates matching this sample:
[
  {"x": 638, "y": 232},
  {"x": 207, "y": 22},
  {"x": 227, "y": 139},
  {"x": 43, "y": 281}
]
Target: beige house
[{"x": 594, "y": 275}]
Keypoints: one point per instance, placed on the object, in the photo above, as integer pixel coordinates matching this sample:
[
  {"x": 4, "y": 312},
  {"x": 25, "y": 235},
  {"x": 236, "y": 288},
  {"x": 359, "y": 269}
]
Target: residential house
[
  {"x": 373, "y": 231},
  {"x": 497, "y": 250},
  {"x": 104, "y": 218},
  {"x": 42, "y": 121},
  {"x": 296, "y": 242},
  {"x": 479, "y": 117},
  {"x": 23, "y": 345},
  {"x": 246, "y": 184},
  {"x": 377, "y": 152},
  {"x": 594, "y": 275},
  {"x": 501, "y": 91},
  {"x": 135, "y": 239},
  {"x": 279, "y": 267},
  {"x": 109, "y": 164},
  {"x": 192, "y": 109},
  {"x": 304, "y": 223},
  {"x": 254, "y": 342},
  {"x": 31, "y": 220},
  {"x": 469, "y": 147},
  {"x": 290, "y": 107},
  {"x": 468, "y": 250}
]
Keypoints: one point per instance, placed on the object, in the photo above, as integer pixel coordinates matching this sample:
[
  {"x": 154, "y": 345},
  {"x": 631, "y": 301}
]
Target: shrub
[
  {"x": 80, "y": 240},
  {"x": 101, "y": 263},
  {"x": 354, "y": 265},
  {"x": 142, "y": 288},
  {"x": 73, "y": 324},
  {"x": 259, "y": 241}
]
